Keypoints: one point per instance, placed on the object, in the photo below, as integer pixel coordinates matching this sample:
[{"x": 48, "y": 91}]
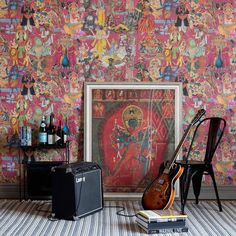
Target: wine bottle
[
  {"x": 59, "y": 135},
  {"x": 66, "y": 131},
  {"x": 43, "y": 132},
  {"x": 51, "y": 131}
]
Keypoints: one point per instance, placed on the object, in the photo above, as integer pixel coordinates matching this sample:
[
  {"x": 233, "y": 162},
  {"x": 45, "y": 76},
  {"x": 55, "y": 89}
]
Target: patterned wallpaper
[{"x": 48, "y": 48}]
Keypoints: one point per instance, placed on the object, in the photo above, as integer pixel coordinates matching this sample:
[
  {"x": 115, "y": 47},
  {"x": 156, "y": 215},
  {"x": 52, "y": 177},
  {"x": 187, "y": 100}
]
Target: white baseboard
[
  {"x": 11, "y": 191},
  {"x": 208, "y": 192}
]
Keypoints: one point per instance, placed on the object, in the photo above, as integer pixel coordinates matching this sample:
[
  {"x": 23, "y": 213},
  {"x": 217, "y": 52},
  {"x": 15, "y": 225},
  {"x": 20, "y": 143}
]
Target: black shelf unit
[{"x": 36, "y": 180}]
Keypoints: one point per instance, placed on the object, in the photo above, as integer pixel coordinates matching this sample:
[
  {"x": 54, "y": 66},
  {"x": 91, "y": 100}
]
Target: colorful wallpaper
[{"x": 49, "y": 48}]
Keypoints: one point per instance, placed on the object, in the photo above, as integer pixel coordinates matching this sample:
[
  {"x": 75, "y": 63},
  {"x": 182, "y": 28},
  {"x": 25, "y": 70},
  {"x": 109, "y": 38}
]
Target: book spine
[
  {"x": 159, "y": 219},
  {"x": 22, "y": 136},
  {"x": 160, "y": 225},
  {"x": 165, "y": 230},
  {"x": 161, "y": 214}
]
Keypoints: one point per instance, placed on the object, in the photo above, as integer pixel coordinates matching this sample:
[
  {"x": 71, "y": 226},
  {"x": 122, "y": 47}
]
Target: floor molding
[
  {"x": 208, "y": 192},
  {"x": 11, "y": 191}
]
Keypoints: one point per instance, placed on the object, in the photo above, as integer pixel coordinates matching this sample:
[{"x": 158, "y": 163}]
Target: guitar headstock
[{"x": 198, "y": 116}]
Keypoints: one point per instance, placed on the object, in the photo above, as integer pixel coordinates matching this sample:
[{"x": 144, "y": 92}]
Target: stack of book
[{"x": 162, "y": 221}]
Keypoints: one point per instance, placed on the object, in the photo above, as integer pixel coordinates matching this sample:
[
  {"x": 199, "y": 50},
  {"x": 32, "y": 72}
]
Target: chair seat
[{"x": 190, "y": 162}]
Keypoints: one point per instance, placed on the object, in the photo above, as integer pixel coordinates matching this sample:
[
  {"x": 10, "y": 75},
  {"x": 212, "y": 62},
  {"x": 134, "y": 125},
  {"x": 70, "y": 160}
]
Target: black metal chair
[{"x": 208, "y": 132}]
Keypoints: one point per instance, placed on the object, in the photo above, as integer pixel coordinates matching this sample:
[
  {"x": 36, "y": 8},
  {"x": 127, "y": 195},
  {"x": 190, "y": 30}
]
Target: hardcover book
[
  {"x": 165, "y": 230},
  {"x": 158, "y": 220},
  {"x": 159, "y": 215},
  {"x": 161, "y": 225}
]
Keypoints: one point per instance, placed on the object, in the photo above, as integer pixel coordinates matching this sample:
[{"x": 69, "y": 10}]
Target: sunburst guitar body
[{"x": 161, "y": 192}]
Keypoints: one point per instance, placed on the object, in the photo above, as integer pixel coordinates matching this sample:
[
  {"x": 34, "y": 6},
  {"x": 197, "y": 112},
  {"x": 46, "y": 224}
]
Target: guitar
[{"x": 160, "y": 193}]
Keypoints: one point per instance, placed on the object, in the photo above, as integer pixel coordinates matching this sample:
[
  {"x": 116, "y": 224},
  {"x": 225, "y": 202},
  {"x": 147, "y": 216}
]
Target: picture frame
[{"x": 130, "y": 129}]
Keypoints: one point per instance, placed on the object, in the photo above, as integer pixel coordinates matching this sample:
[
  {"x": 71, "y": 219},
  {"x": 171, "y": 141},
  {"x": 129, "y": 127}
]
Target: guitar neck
[
  {"x": 194, "y": 121},
  {"x": 177, "y": 150}
]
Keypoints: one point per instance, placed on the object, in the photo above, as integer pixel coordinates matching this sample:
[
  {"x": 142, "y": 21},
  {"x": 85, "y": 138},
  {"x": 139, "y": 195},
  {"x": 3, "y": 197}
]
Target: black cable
[
  {"x": 50, "y": 217},
  {"x": 40, "y": 206},
  {"x": 119, "y": 212}
]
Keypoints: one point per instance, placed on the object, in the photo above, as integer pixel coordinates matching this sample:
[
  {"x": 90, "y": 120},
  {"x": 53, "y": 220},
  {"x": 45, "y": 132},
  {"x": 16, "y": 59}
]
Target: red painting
[{"x": 133, "y": 132}]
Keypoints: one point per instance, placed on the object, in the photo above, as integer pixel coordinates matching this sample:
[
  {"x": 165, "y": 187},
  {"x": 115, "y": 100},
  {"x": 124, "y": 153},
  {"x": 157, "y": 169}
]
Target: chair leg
[
  {"x": 184, "y": 187},
  {"x": 197, "y": 182},
  {"x": 211, "y": 172}
]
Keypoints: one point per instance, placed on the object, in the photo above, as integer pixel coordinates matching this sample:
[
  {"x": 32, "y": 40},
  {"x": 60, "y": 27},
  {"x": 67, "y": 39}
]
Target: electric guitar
[{"x": 160, "y": 193}]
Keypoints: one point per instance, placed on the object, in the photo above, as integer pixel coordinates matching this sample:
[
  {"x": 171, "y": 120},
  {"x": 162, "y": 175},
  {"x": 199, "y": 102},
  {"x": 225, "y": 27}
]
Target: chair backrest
[{"x": 216, "y": 127}]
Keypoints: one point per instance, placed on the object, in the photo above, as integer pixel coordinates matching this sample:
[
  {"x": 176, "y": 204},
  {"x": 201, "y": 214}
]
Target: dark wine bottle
[
  {"x": 43, "y": 132},
  {"x": 66, "y": 131},
  {"x": 59, "y": 135},
  {"x": 51, "y": 131}
]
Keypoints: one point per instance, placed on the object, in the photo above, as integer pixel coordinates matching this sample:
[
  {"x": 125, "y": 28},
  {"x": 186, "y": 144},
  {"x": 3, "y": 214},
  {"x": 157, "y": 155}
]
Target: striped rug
[{"x": 28, "y": 218}]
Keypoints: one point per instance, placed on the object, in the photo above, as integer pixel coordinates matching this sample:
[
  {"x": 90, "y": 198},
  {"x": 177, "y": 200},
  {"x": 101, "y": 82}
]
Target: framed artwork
[{"x": 130, "y": 129}]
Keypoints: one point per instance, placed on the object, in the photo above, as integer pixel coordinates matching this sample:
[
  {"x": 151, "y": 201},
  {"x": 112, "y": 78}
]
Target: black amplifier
[{"x": 76, "y": 190}]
